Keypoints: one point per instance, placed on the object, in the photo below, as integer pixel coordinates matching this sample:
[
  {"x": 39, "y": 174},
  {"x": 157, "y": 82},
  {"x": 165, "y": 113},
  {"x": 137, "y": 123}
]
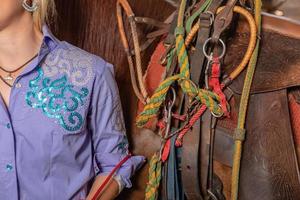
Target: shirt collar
[
  {"x": 49, "y": 43},
  {"x": 49, "y": 39}
]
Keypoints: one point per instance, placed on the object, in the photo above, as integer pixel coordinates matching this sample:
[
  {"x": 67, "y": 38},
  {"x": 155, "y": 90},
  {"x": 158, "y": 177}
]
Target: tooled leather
[{"x": 278, "y": 64}]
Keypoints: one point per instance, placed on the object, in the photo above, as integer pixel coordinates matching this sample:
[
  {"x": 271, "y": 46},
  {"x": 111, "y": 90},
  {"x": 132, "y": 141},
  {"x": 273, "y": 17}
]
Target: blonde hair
[{"x": 45, "y": 13}]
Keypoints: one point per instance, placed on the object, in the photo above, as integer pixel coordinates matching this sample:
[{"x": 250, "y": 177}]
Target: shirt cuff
[
  {"x": 121, "y": 185},
  {"x": 105, "y": 163}
]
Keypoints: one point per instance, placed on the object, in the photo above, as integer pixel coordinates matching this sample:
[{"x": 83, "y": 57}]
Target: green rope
[
  {"x": 154, "y": 178},
  {"x": 243, "y": 108},
  {"x": 191, "y": 19}
]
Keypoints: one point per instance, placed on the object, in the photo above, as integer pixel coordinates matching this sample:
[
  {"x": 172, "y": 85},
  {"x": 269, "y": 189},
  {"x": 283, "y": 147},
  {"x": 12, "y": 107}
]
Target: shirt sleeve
[{"x": 108, "y": 129}]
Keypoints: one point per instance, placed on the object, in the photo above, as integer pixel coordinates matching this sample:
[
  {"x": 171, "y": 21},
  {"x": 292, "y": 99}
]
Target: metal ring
[
  {"x": 217, "y": 115},
  {"x": 223, "y": 46}
]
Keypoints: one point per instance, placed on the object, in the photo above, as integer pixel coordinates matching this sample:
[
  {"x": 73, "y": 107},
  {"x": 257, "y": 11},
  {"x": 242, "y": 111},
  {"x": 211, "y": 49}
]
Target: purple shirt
[{"x": 63, "y": 126}]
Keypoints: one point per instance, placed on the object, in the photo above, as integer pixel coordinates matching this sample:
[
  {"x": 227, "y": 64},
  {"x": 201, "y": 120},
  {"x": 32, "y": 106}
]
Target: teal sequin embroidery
[
  {"x": 57, "y": 99},
  {"x": 123, "y": 145}
]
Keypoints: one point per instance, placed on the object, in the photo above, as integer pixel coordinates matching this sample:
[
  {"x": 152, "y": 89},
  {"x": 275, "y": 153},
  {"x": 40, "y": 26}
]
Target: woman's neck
[{"x": 19, "y": 41}]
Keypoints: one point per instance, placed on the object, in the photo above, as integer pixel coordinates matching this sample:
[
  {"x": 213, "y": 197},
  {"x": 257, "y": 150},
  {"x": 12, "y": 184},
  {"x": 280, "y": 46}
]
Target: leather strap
[
  {"x": 205, "y": 139},
  {"x": 192, "y": 140},
  {"x": 223, "y": 146}
]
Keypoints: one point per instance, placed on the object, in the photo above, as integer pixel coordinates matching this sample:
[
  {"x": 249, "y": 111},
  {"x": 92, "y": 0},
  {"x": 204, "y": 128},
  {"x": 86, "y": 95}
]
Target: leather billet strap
[
  {"x": 192, "y": 149},
  {"x": 223, "y": 146},
  {"x": 190, "y": 160}
]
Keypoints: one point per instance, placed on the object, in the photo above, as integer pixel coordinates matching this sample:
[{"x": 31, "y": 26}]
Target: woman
[{"x": 61, "y": 123}]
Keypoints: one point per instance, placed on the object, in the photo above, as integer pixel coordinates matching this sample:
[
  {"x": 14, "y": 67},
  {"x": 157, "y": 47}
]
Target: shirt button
[
  {"x": 9, "y": 167},
  {"x": 18, "y": 85},
  {"x": 8, "y": 125}
]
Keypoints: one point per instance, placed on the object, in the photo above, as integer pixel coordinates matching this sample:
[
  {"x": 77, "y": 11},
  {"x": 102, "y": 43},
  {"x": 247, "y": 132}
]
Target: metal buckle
[{"x": 211, "y": 18}]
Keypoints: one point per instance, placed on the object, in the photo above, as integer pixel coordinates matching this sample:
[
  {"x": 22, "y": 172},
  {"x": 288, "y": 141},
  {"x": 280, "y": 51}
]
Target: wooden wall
[{"x": 92, "y": 25}]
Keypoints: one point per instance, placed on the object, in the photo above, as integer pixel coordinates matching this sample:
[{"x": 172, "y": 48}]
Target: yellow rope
[
  {"x": 154, "y": 178},
  {"x": 207, "y": 98},
  {"x": 252, "y": 41},
  {"x": 240, "y": 131}
]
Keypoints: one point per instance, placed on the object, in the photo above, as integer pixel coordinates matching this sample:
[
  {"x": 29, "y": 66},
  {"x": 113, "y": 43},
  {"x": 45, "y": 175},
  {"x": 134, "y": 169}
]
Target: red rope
[
  {"x": 109, "y": 177},
  {"x": 191, "y": 123},
  {"x": 179, "y": 117},
  {"x": 214, "y": 82},
  {"x": 161, "y": 124}
]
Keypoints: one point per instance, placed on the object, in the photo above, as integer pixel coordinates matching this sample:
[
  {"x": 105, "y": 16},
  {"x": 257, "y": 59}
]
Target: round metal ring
[
  {"x": 217, "y": 115},
  {"x": 223, "y": 50}
]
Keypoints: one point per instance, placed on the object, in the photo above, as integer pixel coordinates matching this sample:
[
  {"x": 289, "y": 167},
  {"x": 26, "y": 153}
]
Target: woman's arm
[
  {"x": 110, "y": 144},
  {"x": 110, "y": 192}
]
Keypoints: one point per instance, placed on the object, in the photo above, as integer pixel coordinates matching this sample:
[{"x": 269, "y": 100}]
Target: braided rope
[
  {"x": 209, "y": 99},
  {"x": 154, "y": 178},
  {"x": 243, "y": 108}
]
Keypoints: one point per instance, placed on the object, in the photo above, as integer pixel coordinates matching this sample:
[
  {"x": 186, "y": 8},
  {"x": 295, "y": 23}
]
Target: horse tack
[
  {"x": 190, "y": 165},
  {"x": 262, "y": 124},
  {"x": 206, "y": 146},
  {"x": 138, "y": 85},
  {"x": 180, "y": 15},
  {"x": 207, "y": 167}
]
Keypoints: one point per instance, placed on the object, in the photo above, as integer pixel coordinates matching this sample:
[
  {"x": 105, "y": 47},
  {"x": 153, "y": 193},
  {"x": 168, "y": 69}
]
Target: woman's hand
[{"x": 110, "y": 191}]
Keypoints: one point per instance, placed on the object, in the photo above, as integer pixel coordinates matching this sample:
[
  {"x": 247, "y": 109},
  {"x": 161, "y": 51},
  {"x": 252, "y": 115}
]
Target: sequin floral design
[
  {"x": 57, "y": 99},
  {"x": 76, "y": 64},
  {"x": 123, "y": 146}
]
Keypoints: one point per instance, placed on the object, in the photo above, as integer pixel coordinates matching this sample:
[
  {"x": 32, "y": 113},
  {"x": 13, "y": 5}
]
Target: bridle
[{"x": 208, "y": 101}]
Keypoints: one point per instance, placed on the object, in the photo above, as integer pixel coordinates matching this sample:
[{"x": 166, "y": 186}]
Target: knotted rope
[{"x": 205, "y": 97}]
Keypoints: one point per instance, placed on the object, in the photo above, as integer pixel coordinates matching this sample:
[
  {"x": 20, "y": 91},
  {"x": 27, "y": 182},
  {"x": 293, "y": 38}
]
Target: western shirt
[{"x": 63, "y": 126}]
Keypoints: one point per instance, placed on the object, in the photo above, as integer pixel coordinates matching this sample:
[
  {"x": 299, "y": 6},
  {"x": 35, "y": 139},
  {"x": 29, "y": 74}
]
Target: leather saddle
[
  {"x": 269, "y": 168},
  {"x": 269, "y": 165},
  {"x": 269, "y": 143}
]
